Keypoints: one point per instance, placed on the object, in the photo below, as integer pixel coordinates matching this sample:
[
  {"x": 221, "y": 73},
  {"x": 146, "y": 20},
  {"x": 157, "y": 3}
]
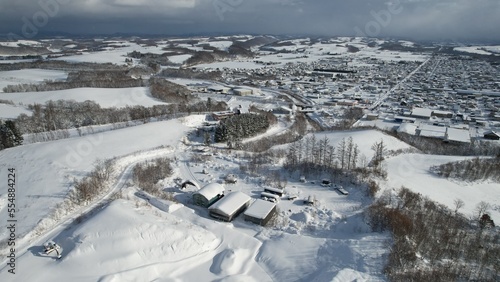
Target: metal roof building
[
  {"x": 260, "y": 212},
  {"x": 208, "y": 195},
  {"x": 230, "y": 206}
]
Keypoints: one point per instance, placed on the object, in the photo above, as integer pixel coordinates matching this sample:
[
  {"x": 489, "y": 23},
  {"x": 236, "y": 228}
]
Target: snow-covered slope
[
  {"x": 46, "y": 171},
  {"x": 106, "y": 97}
]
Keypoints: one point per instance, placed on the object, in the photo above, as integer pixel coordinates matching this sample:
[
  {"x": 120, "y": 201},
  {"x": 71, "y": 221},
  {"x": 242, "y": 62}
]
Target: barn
[
  {"x": 208, "y": 195},
  {"x": 230, "y": 206},
  {"x": 260, "y": 212}
]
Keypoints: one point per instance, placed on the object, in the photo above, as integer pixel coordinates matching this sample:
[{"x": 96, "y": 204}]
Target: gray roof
[{"x": 260, "y": 209}]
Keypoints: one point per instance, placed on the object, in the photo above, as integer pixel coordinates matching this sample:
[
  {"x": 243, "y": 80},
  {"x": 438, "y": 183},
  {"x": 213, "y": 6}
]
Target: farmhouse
[
  {"x": 208, "y": 195},
  {"x": 230, "y": 206},
  {"x": 260, "y": 212}
]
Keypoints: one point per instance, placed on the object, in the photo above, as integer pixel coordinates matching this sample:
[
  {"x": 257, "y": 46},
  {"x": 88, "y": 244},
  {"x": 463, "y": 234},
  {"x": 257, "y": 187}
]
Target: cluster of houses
[{"x": 227, "y": 207}]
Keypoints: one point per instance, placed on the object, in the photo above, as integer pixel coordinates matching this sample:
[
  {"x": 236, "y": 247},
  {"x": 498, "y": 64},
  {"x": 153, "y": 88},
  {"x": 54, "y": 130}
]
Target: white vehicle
[
  {"x": 50, "y": 247},
  {"x": 341, "y": 190}
]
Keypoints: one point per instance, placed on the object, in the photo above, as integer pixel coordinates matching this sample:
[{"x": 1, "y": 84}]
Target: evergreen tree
[{"x": 9, "y": 135}]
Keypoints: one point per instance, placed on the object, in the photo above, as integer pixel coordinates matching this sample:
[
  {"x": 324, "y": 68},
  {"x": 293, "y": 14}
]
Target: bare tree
[
  {"x": 481, "y": 208},
  {"x": 458, "y": 204}
]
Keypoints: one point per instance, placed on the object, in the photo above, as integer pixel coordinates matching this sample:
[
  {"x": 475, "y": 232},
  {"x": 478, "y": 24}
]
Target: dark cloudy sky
[{"x": 416, "y": 19}]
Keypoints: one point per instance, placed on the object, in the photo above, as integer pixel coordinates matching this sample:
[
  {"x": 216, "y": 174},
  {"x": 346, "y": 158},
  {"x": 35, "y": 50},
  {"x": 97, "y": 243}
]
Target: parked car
[
  {"x": 341, "y": 190},
  {"x": 326, "y": 183}
]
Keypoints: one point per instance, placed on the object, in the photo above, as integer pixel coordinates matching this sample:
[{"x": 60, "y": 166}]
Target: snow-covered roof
[
  {"x": 457, "y": 135},
  {"x": 211, "y": 190},
  {"x": 276, "y": 190},
  {"x": 260, "y": 209},
  {"x": 427, "y": 130},
  {"x": 421, "y": 112},
  {"x": 408, "y": 128},
  {"x": 230, "y": 203}
]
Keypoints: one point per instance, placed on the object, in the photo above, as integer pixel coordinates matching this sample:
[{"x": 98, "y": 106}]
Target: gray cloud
[{"x": 418, "y": 19}]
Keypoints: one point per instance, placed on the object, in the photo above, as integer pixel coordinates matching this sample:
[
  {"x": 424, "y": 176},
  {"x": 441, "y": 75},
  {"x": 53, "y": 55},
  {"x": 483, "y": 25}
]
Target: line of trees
[
  {"x": 80, "y": 79},
  {"x": 311, "y": 155},
  {"x": 65, "y": 114},
  {"x": 60, "y": 65},
  {"x": 471, "y": 170},
  {"x": 434, "y": 243},
  {"x": 169, "y": 92}
]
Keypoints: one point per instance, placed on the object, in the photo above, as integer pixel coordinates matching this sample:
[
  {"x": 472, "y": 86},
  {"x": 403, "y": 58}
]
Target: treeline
[
  {"x": 63, "y": 114},
  {"x": 433, "y": 243},
  {"x": 471, "y": 170},
  {"x": 152, "y": 58},
  {"x": 10, "y": 136},
  {"x": 192, "y": 74},
  {"x": 169, "y": 92},
  {"x": 438, "y": 147},
  {"x": 60, "y": 65},
  {"x": 80, "y": 79},
  {"x": 241, "y": 126},
  {"x": 311, "y": 155}
]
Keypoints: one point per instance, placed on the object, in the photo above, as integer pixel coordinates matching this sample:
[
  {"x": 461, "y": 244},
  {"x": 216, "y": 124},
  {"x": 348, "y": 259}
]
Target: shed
[
  {"x": 230, "y": 206},
  {"x": 242, "y": 91},
  {"x": 276, "y": 191},
  {"x": 260, "y": 212},
  {"x": 372, "y": 116},
  {"x": 208, "y": 195}
]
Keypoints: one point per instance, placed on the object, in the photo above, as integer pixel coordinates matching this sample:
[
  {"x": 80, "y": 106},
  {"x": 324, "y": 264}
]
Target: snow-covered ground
[
  {"x": 130, "y": 240},
  {"x": 481, "y": 50},
  {"x": 105, "y": 97},
  {"x": 114, "y": 55},
  {"x": 412, "y": 171},
  {"x": 28, "y": 76},
  {"x": 8, "y": 111},
  {"x": 46, "y": 171},
  {"x": 136, "y": 238}
]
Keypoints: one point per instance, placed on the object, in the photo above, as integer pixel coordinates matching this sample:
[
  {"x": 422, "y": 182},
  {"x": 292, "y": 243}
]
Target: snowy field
[
  {"x": 105, "y": 97},
  {"x": 29, "y": 76},
  {"x": 8, "y": 111},
  {"x": 412, "y": 171},
  {"x": 481, "y": 50},
  {"x": 114, "y": 55}
]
